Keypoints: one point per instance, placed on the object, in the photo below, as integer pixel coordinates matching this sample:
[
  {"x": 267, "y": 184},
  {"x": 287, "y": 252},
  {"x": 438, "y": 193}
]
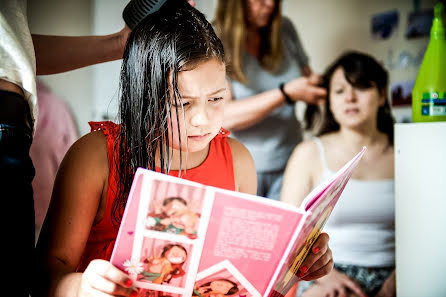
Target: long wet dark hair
[
  {"x": 176, "y": 38},
  {"x": 361, "y": 71}
]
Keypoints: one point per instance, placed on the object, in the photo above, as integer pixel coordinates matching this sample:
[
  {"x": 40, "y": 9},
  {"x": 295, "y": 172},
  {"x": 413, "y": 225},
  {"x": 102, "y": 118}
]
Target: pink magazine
[{"x": 180, "y": 238}]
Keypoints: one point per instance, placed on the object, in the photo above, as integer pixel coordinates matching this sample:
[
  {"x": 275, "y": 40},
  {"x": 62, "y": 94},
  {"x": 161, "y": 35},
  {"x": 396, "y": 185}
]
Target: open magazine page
[
  {"x": 319, "y": 204},
  {"x": 162, "y": 234},
  {"x": 246, "y": 239},
  {"x": 180, "y": 238}
]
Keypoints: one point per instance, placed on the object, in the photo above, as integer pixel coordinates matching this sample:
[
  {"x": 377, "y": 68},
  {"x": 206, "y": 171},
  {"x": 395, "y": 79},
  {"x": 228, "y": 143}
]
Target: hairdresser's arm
[
  {"x": 241, "y": 114},
  {"x": 244, "y": 169},
  {"x": 76, "y": 204},
  {"x": 55, "y": 54}
]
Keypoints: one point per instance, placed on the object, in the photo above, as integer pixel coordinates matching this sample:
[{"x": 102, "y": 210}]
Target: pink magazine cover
[
  {"x": 247, "y": 237},
  {"x": 180, "y": 238}
]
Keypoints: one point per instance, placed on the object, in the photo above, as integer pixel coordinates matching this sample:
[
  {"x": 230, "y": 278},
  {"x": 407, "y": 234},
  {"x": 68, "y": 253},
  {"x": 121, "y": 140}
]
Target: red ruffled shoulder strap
[
  {"x": 223, "y": 133},
  {"x": 111, "y": 132},
  {"x": 108, "y": 127}
]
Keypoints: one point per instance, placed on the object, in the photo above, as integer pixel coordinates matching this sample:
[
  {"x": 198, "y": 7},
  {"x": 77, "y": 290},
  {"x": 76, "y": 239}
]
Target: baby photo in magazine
[
  {"x": 175, "y": 211},
  {"x": 217, "y": 287},
  {"x": 151, "y": 293},
  {"x": 173, "y": 215},
  {"x": 221, "y": 280},
  {"x": 164, "y": 262}
]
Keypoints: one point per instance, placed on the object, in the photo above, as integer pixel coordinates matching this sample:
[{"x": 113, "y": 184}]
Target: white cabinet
[{"x": 420, "y": 185}]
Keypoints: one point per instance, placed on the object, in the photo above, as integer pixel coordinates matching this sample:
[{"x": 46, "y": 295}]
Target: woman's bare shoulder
[
  {"x": 306, "y": 151},
  {"x": 88, "y": 154},
  {"x": 94, "y": 142}
]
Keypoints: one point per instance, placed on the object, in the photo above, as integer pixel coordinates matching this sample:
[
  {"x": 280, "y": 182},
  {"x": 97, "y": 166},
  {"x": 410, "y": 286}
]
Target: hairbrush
[{"x": 136, "y": 10}]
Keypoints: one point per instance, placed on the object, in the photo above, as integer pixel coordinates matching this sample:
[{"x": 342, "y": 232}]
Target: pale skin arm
[
  {"x": 75, "y": 206},
  {"x": 56, "y": 54},
  {"x": 298, "y": 179},
  {"x": 297, "y": 183},
  {"x": 241, "y": 114}
]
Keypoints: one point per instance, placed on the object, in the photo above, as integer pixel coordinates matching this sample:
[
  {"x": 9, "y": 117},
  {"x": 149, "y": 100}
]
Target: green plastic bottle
[{"x": 429, "y": 91}]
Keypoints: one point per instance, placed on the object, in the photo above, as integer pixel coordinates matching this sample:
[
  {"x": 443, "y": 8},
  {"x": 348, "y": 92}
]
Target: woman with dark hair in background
[
  {"x": 269, "y": 72},
  {"x": 356, "y": 114}
]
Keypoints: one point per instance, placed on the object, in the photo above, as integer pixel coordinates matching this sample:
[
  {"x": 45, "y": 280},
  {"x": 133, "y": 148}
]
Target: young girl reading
[{"x": 173, "y": 85}]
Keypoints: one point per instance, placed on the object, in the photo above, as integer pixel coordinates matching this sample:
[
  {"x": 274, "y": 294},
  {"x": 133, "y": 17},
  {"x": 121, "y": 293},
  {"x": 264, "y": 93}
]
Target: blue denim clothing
[{"x": 16, "y": 175}]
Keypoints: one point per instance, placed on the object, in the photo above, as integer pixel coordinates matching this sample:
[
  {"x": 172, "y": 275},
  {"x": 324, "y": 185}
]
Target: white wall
[
  {"x": 107, "y": 18},
  {"x": 327, "y": 28}
]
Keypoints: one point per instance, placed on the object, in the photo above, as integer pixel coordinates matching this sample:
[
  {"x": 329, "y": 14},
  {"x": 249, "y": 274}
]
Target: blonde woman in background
[{"x": 268, "y": 73}]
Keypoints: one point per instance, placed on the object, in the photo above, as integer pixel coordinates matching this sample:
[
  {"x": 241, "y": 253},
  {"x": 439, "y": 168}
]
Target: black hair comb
[{"x": 137, "y": 10}]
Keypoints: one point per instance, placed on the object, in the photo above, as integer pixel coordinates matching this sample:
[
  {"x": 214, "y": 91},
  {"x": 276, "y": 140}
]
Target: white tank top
[{"x": 362, "y": 225}]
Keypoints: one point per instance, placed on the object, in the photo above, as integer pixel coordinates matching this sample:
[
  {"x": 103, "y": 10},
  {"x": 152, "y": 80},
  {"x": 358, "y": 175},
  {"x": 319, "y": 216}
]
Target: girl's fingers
[
  {"x": 105, "y": 277},
  {"x": 94, "y": 293},
  {"x": 112, "y": 273},
  {"x": 320, "y": 272},
  {"x": 342, "y": 292},
  {"x": 109, "y": 288},
  {"x": 321, "y": 262},
  {"x": 318, "y": 249},
  {"x": 321, "y": 243}
]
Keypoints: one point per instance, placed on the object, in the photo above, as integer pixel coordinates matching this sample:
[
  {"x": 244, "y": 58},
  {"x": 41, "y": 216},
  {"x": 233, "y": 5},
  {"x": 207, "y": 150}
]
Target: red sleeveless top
[{"x": 217, "y": 170}]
